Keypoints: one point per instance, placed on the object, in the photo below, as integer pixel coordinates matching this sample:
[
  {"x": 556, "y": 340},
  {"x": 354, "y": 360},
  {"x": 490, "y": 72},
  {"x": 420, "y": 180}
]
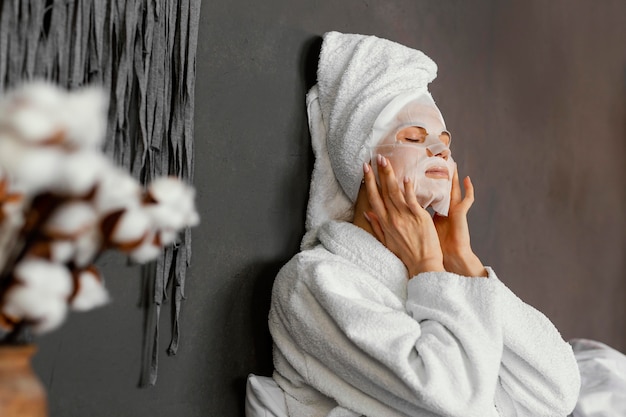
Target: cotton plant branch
[
  {"x": 63, "y": 203},
  {"x": 143, "y": 53}
]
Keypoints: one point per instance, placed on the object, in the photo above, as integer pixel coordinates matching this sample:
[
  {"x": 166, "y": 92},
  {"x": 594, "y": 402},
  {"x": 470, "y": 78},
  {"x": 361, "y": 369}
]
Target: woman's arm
[{"x": 539, "y": 375}]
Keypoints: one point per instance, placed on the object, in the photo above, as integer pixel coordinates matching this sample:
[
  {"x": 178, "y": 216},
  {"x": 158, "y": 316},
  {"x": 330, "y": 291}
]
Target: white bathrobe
[{"x": 354, "y": 336}]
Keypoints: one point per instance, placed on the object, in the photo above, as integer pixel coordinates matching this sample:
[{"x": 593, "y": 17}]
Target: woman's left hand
[{"x": 454, "y": 235}]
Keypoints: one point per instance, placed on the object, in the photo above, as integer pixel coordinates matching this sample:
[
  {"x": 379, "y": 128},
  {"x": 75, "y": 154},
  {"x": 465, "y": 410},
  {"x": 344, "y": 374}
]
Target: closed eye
[{"x": 413, "y": 134}]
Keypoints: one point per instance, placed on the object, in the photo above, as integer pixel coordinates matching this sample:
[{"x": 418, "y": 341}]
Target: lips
[{"x": 438, "y": 172}]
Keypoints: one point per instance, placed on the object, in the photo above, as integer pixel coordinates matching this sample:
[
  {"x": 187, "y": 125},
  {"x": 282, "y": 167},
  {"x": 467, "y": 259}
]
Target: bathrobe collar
[{"x": 365, "y": 251}]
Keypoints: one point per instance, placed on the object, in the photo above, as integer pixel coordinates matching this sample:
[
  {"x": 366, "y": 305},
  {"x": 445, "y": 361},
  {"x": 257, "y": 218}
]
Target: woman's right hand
[
  {"x": 453, "y": 231},
  {"x": 399, "y": 222}
]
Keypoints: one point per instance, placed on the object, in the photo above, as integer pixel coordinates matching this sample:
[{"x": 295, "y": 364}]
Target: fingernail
[
  {"x": 366, "y": 217},
  {"x": 382, "y": 161},
  {"x": 379, "y": 159},
  {"x": 406, "y": 179},
  {"x": 366, "y": 168}
]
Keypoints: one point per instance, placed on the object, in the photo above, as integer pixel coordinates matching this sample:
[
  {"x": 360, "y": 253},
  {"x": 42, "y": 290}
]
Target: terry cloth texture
[
  {"x": 143, "y": 52},
  {"x": 351, "y": 332},
  {"x": 357, "y": 77}
]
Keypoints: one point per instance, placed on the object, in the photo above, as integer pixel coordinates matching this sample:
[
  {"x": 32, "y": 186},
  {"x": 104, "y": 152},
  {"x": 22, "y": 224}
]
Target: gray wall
[{"x": 534, "y": 92}]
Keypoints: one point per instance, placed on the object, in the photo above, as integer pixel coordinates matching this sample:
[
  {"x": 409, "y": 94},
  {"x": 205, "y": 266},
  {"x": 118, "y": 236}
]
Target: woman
[{"x": 387, "y": 311}]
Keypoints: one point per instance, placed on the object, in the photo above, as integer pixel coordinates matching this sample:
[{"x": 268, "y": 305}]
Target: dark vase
[{"x": 21, "y": 392}]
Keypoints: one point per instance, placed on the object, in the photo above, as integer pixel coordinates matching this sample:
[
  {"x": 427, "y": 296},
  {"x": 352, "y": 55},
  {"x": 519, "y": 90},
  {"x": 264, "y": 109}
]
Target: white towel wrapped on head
[{"x": 357, "y": 77}]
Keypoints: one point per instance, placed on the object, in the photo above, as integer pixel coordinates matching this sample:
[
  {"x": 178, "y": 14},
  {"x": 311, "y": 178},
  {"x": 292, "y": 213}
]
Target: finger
[
  {"x": 455, "y": 194},
  {"x": 371, "y": 188},
  {"x": 372, "y": 218},
  {"x": 468, "y": 200},
  {"x": 410, "y": 197},
  {"x": 391, "y": 192}
]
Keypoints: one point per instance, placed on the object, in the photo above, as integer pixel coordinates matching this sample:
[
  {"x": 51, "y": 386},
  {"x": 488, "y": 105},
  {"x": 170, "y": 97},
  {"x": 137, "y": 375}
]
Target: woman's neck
[{"x": 362, "y": 205}]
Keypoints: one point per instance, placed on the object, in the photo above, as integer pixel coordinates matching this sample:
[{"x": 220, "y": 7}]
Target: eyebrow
[{"x": 416, "y": 127}]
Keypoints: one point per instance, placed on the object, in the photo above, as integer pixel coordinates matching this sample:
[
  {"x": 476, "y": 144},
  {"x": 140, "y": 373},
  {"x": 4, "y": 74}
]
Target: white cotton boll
[
  {"x": 168, "y": 236},
  {"x": 91, "y": 293},
  {"x": 193, "y": 219},
  {"x": 32, "y": 111},
  {"x": 39, "y": 111},
  {"x": 116, "y": 190},
  {"x": 85, "y": 117},
  {"x": 79, "y": 172},
  {"x": 29, "y": 303},
  {"x": 174, "y": 207},
  {"x": 19, "y": 301},
  {"x": 34, "y": 125},
  {"x": 70, "y": 219},
  {"x": 131, "y": 227},
  {"x": 62, "y": 251},
  {"x": 44, "y": 276},
  {"x": 12, "y": 149},
  {"x": 39, "y": 169},
  {"x": 53, "y": 318},
  {"x": 88, "y": 245},
  {"x": 165, "y": 216},
  {"x": 31, "y": 168},
  {"x": 43, "y": 94},
  {"x": 167, "y": 190},
  {"x": 147, "y": 251},
  {"x": 186, "y": 205}
]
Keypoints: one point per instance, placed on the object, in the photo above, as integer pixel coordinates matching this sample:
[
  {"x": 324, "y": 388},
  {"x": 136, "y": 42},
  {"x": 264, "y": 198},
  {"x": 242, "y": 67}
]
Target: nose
[
  {"x": 443, "y": 154},
  {"x": 438, "y": 149}
]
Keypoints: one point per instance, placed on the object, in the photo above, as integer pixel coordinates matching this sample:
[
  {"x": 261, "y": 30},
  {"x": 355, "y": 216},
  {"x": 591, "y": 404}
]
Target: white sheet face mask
[{"x": 417, "y": 146}]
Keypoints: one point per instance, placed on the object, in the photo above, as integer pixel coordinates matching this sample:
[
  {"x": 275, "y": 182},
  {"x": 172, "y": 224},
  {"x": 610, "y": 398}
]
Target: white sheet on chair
[
  {"x": 264, "y": 398},
  {"x": 603, "y": 380}
]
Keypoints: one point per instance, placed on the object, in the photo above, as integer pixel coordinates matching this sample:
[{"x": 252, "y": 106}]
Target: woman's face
[{"x": 418, "y": 147}]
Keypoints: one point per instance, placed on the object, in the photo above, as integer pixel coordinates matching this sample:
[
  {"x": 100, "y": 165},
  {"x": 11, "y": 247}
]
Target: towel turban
[{"x": 357, "y": 77}]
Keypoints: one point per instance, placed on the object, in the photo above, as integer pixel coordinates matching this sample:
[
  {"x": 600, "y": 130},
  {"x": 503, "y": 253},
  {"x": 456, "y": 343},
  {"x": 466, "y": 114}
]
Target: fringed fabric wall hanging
[{"x": 143, "y": 52}]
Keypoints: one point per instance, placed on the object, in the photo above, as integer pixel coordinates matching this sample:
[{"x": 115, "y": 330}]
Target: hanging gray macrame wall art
[{"x": 143, "y": 52}]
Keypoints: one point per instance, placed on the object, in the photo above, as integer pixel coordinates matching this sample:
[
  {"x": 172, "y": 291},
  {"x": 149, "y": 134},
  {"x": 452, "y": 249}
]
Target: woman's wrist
[
  {"x": 425, "y": 265},
  {"x": 464, "y": 263}
]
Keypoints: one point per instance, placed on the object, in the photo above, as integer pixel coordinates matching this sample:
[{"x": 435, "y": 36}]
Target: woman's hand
[
  {"x": 399, "y": 222},
  {"x": 453, "y": 232}
]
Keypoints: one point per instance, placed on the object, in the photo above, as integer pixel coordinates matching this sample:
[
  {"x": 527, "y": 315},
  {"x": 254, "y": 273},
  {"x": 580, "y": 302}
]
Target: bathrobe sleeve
[
  {"x": 351, "y": 339},
  {"x": 539, "y": 374},
  {"x": 455, "y": 347}
]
